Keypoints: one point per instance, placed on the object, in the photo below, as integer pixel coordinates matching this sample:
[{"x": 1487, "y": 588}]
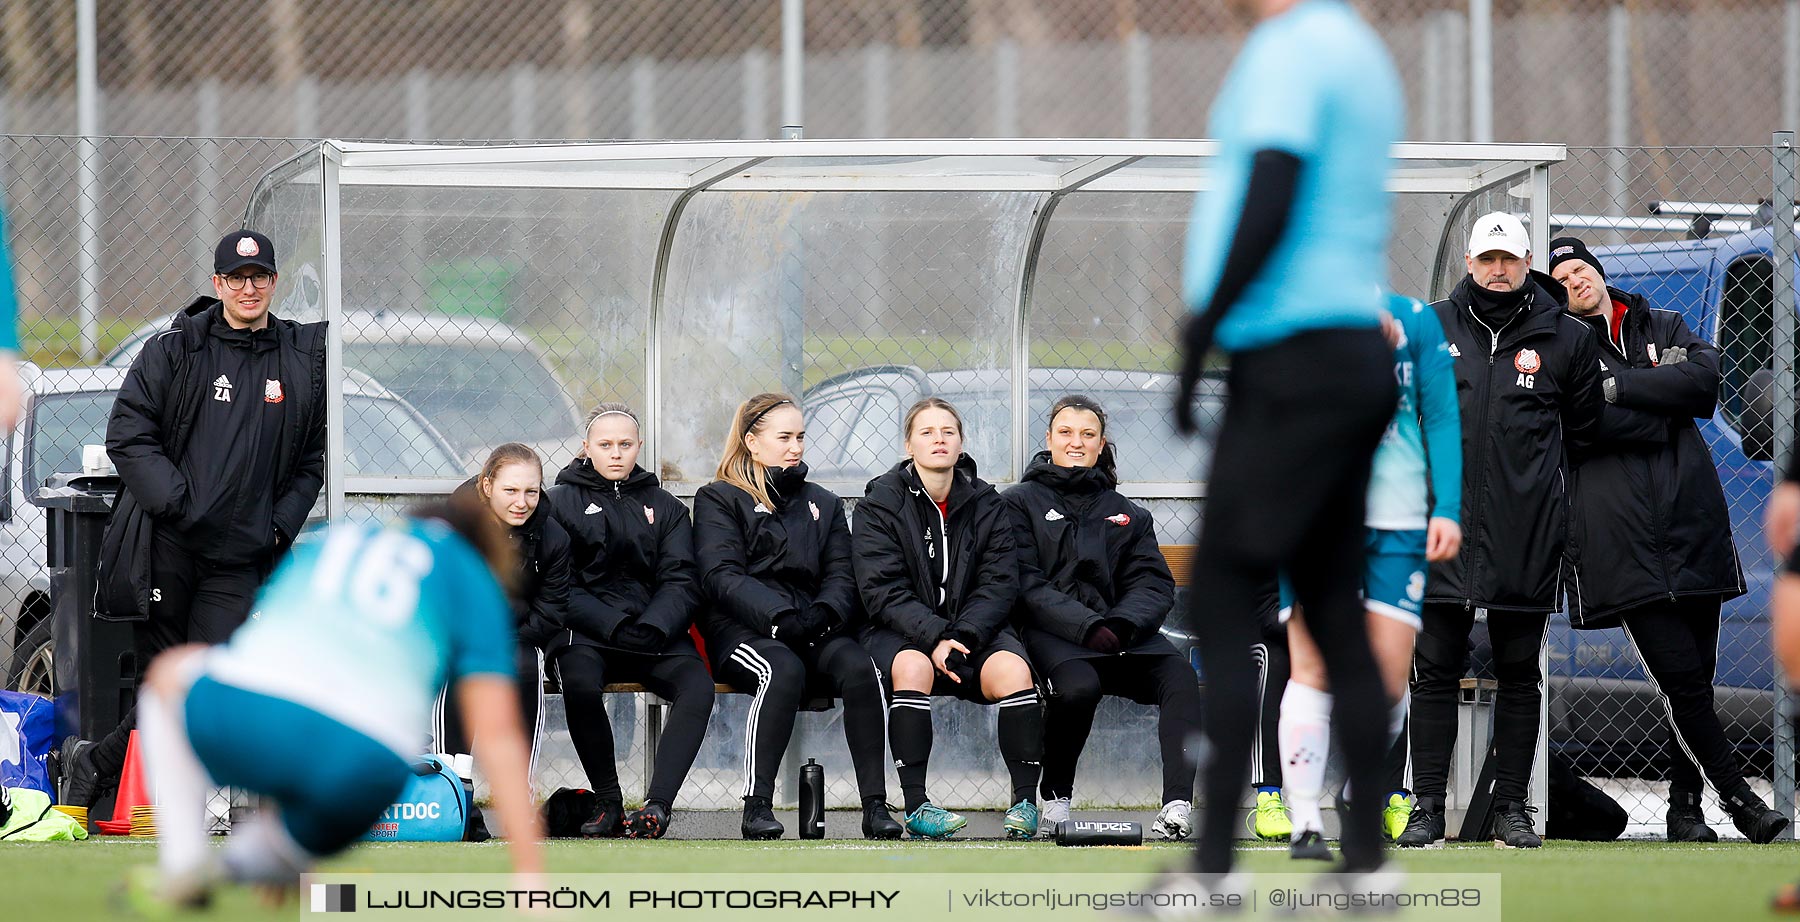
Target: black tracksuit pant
[
  {"x": 1161, "y": 679},
  {"x": 1438, "y": 669},
  {"x": 1679, "y": 643},
  {"x": 1287, "y": 494},
  {"x": 447, "y": 723},
  {"x": 192, "y": 601},
  {"x": 775, "y": 675},
  {"x": 682, "y": 679}
]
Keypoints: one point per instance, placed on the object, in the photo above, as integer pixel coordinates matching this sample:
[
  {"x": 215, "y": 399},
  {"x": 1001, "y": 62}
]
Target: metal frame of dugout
[{"x": 1051, "y": 170}]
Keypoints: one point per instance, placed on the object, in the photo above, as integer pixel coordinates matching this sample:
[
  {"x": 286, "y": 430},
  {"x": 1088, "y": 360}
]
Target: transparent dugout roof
[{"x": 883, "y": 165}]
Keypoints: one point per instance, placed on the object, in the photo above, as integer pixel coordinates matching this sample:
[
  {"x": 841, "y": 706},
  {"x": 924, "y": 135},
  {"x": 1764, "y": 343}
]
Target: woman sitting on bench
[
  {"x": 774, "y": 556},
  {"x": 937, "y": 569},
  {"x": 633, "y": 595}
]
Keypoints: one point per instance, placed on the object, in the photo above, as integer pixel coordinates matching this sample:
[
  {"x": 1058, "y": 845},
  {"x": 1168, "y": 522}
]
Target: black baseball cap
[{"x": 242, "y": 248}]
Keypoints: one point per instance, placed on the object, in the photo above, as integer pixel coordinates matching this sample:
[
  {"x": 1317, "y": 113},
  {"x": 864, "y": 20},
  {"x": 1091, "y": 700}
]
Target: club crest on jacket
[
  {"x": 650, "y": 515},
  {"x": 1527, "y": 361},
  {"x": 815, "y": 509},
  {"x": 1120, "y": 520}
]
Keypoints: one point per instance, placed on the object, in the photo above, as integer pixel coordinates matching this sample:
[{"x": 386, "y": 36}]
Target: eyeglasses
[{"x": 259, "y": 281}]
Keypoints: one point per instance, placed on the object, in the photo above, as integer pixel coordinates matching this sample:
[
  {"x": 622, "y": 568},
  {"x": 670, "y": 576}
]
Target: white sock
[
  {"x": 261, "y": 851},
  {"x": 1305, "y": 745},
  {"x": 179, "y": 785}
]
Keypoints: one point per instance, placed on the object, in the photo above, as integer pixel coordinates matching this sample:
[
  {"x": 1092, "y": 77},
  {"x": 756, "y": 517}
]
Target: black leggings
[
  {"x": 776, "y": 676},
  {"x": 1161, "y": 679},
  {"x": 1272, "y": 670},
  {"x": 1286, "y": 495},
  {"x": 682, "y": 680},
  {"x": 446, "y": 719},
  {"x": 1679, "y": 644},
  {"x": 1439, "y": 665}
]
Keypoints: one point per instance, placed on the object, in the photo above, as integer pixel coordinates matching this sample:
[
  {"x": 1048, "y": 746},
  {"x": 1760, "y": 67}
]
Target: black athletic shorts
[{"x": 884, "y": 644}]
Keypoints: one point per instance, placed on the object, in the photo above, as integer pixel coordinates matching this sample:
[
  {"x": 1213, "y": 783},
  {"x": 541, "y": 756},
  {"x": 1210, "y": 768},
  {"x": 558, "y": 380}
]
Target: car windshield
[
  {"x": 383, "y": 436},
  {"x": 476, "y": 396}
]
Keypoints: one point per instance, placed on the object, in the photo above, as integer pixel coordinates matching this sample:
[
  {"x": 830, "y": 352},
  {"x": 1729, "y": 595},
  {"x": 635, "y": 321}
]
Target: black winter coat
[
  {"x": 540, "y": 590},
  {"x": 1086, "y": 555},
  {"x": 1649, "y": 517},
  {"x": 1522, "y": 389},
  {"x": 631, "y": 557},
  {"x": 759, "y": 564},
  {"x": 148, "y": 438},
  {"x": 927, "y": 578}
]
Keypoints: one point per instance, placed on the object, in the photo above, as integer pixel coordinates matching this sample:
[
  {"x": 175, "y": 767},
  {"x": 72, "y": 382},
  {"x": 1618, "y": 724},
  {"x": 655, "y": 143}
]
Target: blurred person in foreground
[
  {"x": 1780, "y": 525},
  {"x": 320, "y": 702},
  {"x": 1284, "y": 271},
  {"x": 1650, "y": 535},
  {"x": 12, "y": 389}
]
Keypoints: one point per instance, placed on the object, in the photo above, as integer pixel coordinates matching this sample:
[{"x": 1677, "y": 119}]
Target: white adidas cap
[{"x": 1499, "y": 231}]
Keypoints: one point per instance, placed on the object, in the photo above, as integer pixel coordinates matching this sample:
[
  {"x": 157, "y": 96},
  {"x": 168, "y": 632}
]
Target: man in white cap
[{"x": 1528, "y": 377}]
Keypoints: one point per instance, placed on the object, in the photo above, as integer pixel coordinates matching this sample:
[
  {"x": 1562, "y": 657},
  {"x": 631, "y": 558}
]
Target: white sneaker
[
  {"x": 1055, "y": 811},
  {"x": 1176, "y": 821}
]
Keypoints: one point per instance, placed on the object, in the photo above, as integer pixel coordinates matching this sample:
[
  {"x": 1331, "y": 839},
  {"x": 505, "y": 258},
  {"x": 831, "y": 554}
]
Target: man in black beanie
[
  {"x": 218, "y": 434},
  {"x": 1658, "y": 563}
]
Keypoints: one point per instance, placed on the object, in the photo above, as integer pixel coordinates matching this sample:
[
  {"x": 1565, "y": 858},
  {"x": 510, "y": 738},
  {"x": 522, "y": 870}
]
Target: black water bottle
[
  {"x": 812, "y": 800},
  {"x": 1098, "y": 832}
]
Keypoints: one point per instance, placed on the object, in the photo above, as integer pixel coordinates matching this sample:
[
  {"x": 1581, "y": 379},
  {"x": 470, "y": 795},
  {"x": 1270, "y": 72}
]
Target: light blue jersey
[
  {"x": 1423, "y": 443},
  {"x": 367, "y": 622},
  {"x": 1315, "y": 82},
  {"x": 9, "y": 297}
]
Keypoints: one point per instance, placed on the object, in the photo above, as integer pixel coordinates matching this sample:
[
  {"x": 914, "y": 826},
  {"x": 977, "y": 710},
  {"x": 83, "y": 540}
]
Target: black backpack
[{"x": 566, "y": 810}]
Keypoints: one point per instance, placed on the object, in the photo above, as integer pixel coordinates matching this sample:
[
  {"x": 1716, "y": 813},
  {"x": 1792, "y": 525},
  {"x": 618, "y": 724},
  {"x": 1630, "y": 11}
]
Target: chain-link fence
[
  {"x": 483, "y": 314},
  {"x": 1612, "y": 72}
]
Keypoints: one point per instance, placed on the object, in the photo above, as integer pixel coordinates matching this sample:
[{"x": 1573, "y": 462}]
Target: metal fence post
[
  {"x": 1481, "y": 70},
  {"x": 1790, "y": 71},
  {"x": 1783, "y": 305},
  {"x": 755, "y": 94},
  {"x": 306, "y": 108},
  {"x": 876, "y": 91},
  {"x": 643, "y": 99},
  {"x": 1006, "y": 88},
  {"x": 793, "y": 62},
  {"x": 87, "y": 119},
  {"x": 206, "y": 180},
  {"x": 1618, "y": 110},
  {"x": 1137, "y": 85}
]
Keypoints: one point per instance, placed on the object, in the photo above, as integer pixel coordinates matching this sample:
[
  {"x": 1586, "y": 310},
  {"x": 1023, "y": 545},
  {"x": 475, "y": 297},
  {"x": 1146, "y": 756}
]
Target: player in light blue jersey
[
  {"x": 322, "y": 700},
  {"x": 1283, "y": 271},
  {"x": 1414, "y": 510}
]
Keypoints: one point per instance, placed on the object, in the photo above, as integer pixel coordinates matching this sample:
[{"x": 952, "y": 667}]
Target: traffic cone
[{"x": 132, "y": 808}]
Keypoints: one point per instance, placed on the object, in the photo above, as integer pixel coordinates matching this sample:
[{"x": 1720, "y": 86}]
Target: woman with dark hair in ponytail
[
  {"x": 1093, "y": 592},
  {"x": 509, "y": 488},
  {"x": 633, "y": 594},
  {"x": 774, "y": 554}
]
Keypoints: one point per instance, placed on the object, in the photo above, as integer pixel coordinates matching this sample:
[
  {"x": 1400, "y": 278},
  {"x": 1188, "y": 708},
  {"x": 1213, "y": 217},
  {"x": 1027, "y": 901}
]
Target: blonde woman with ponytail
[{"x": 774, "y": 556}]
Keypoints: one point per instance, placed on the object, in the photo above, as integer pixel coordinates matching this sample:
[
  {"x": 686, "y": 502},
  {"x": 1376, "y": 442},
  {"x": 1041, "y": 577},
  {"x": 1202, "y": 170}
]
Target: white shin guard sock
[
  {"x": 1305, "y": 745},
  {"x": 179, "y": 785}
]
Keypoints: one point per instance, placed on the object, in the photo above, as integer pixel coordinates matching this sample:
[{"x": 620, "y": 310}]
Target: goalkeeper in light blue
[
  {"x": 1414, "y": 510},
  {"x": 321, "y": 701}
]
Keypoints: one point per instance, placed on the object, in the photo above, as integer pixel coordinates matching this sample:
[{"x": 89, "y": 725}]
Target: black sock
[
  {"x": 909, "y": 737},
  {"x": 1022, "y": 741}
]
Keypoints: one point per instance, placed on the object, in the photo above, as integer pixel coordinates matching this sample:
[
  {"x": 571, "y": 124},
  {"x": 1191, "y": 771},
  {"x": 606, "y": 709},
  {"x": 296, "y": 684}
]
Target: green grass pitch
[{"x": 1634, "y": 881}]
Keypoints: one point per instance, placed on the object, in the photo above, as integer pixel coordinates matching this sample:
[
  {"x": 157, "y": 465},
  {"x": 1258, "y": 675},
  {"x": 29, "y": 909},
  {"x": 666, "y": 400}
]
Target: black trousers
[
  {"x": 1286, "y": 494},
  {"x": 776, "y": 675},
  {"x": 191, "y": 601},
  {"x": 1439, "y": 665},
  {"x": 1679, "y": 644},
  {"x": 1272, "y": 669},
  {"x": 682, "y": 679},
  {"x": 1161, "y": 679},
  {"x": 447, "y": 726}
]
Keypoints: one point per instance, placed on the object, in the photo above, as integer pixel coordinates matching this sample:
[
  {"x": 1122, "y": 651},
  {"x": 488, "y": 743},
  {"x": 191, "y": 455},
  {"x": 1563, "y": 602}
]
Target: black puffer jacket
[
  {"x": 149, "y": 438},
  {"x": 927, "y": 578},
  {"x": 540, "y": 591},
  {"x": 1521, "y": 389},
  {"x": 631, "y": 557},
  {"x": 758, "y": 564},
  {"x": 1650, "y": 520},
  {"x": 1087, "y": 555}
]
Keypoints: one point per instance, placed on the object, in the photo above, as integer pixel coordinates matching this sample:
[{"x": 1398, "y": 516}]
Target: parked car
[
  {"x": 479, "y": 381},
  {"x": 67, "y": 408}
]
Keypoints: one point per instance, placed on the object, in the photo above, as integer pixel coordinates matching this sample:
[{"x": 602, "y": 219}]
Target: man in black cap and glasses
[
  {"x": 1650, "y": 534},
  {"x": 218, "y": 434}
]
